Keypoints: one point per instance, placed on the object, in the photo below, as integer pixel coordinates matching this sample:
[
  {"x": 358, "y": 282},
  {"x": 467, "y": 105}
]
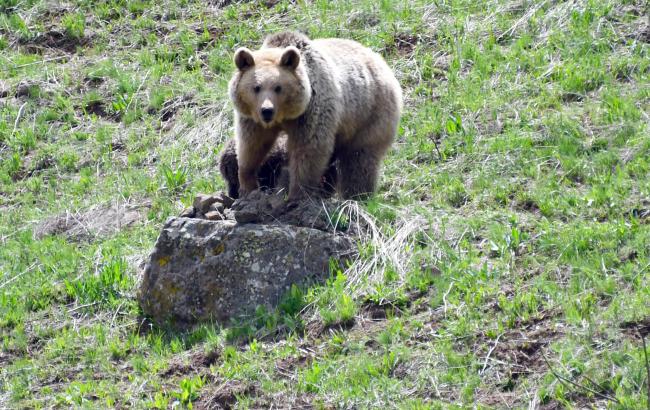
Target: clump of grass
[
  {"x": 336, "y": 305},
  {"x": 174, "y": 179},
  {"x": 74, "y": 25},
  {"x": 189, "y": 390},
  {"x": 106, "y": 286}
]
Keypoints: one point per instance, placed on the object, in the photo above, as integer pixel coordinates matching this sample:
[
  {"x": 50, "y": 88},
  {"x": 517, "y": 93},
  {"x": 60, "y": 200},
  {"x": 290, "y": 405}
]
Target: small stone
[
  {"x": 214, "y": 216},
  {"x": 202, "y": 202},
  {"x": 225, "y": 200},
  {"x": 218, "y": 207},
  {"x": 22, "y": 89},
  {"x": 277, "y": 202},
  {"x": 4, "y": 90},
  {"x": 246, "y": 216},
  {"x": 188, "y": 212}
]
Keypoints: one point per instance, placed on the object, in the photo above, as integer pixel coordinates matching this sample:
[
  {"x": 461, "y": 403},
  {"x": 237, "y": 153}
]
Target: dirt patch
[
  {"x": 270, "y": 3},
  {"x": 520, "y": 351},
  {"x": 515, "y": 353},
  {"x": 404, "y": 43},
  {"x": 636, "y": 328},
  {"x": 641, "y": 214},
  {"x": 6, "y": 358},
  {"x": 316, "y": 328},
  {"x": 99, "y": 109},
  {"x": 528, "y": 205},
  {"x": 171, "y": 107},
  {"x": 197, "y": 363},
  {"x": 431, "y": 319},
  {"x": 377, "y": 311},
  {"x": 287, "y": 367},
  {"x": 54, "y": 40},
  {"x": 97, "y": 221},
  {"x": 225, "y": 395},
  {"x": 637, "y": 29},
  {"x": 371, "y": 316}
]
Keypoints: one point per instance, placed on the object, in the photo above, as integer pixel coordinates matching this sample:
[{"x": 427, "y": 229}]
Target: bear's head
[{"x": 271, "y": 85}]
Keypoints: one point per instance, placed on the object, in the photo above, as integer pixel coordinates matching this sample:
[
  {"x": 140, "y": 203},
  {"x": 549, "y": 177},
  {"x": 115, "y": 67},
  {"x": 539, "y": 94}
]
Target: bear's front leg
[
  {"x": 253, "y": 144},
  {"x": 308, "y": 161}
]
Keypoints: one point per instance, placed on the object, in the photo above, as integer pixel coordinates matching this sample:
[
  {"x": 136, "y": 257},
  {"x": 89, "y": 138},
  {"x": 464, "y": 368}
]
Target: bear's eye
[
  {"x": 257, "y": 89},
  {"x": 278, "y": 89}
]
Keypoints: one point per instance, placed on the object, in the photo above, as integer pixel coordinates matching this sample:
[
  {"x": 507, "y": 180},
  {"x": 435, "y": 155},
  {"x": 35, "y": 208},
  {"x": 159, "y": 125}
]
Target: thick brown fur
[
  {"x": 338, "y": 102},
  {"x": 270, "y": 172}
]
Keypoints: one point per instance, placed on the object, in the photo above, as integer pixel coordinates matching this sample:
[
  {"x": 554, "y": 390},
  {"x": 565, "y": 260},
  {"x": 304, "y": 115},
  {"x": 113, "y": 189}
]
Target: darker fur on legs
[
  {"x": 268, "y": 176},
  {"x": 358, "y": 173},
  {"x": 272, "y": 173}
]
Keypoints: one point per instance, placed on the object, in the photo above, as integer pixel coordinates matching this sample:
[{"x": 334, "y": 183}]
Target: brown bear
[{"x": 338, "y": 103}]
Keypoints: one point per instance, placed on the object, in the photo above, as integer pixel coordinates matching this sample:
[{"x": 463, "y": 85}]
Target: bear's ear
[
  {"x": 290, "y": 58},
  {"x": 244, "y": 58}
]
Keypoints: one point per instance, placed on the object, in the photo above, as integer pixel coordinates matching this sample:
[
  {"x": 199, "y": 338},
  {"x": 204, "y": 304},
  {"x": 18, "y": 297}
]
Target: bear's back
[{"x": 363, "y": 78}]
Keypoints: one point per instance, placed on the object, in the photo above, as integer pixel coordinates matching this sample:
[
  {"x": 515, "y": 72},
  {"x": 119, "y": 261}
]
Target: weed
[
  {"x": 189, "y": 390},
  {"x": 174, "y": 179},
  {"x": 104, "y": 287},
  {"x": 74, "y": 25}
]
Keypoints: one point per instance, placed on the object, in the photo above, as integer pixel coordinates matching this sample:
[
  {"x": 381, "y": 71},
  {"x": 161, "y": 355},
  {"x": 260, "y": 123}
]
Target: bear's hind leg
[
  {"x": 359, "y": 163},
  {"x": 358, "y": 172}
]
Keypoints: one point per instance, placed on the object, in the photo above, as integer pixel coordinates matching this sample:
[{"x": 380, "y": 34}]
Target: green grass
[{"x": 515, "y": 205}]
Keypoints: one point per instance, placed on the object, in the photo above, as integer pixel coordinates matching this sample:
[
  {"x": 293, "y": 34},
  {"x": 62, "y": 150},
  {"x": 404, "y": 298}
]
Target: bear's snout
[{"x": 267, "y": 114}]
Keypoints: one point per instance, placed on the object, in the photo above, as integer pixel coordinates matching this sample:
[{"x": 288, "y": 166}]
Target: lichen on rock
[{"x": 204, "y": 269}]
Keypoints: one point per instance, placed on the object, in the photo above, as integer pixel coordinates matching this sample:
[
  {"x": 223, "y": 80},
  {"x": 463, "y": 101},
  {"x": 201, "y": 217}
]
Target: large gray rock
[{"x": 203, "y": 269}]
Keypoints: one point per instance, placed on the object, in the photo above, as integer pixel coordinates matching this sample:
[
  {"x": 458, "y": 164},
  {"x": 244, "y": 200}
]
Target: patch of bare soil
[
  {"x": 370, "y": 315},
  {"x": 316, "y": 328},
  {"x": 642, "y": 214},
  {"x": 287, "y": 366},
  {"x": 54, "y": 40},
  {"x": 171, "y": 107},
  {"x": 97, "y": 221},
  {"x": 637, "y": 29},
  {"x": 281, "y": 400},
  {"x": 528, "y": 205},
  {"x": 404, "y": 43},
  {"x": 522, "y": 351},
  {"x": 6, "y": 358},
  {"x": 99, "y": 109},
  {"x": 516, "y": 353},
  {"x": 637, "y": 328},
  {"x": 225, "y": 395},
  {"x": 198, "y": 363}
]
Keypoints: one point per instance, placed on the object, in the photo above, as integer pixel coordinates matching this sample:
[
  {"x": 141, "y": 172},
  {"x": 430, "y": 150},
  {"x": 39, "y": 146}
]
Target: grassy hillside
[{"x": 510, "y": 266}]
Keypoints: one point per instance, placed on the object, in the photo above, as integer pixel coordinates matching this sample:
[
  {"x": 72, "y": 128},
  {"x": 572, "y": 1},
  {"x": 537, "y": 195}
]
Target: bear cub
[{"x": 328, "y": 108}]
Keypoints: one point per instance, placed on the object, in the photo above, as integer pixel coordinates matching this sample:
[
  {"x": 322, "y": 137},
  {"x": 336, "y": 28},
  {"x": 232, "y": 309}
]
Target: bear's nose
[{"x": 267, "y": 114}]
